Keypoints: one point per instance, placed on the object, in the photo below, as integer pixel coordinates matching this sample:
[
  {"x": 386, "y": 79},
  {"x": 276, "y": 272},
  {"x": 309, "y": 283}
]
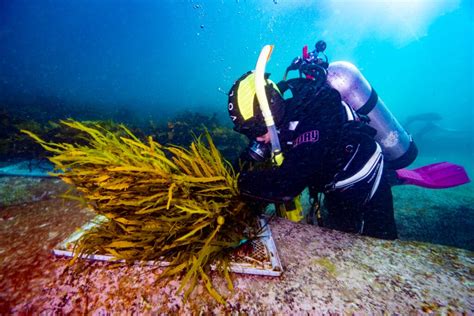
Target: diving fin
[{"x": 435, "y": 176}]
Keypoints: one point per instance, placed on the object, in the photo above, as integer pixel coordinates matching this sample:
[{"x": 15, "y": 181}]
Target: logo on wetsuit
[{"x": 307, "y": 137}]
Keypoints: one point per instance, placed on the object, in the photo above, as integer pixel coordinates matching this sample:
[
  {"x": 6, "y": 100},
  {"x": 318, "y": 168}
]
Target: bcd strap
[
  {"x": 358, "y": 127},
  {"x": 370, "y": 104}
]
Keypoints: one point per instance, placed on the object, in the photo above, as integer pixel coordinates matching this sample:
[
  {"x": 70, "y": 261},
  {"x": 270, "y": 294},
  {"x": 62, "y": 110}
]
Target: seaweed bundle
[{"x": 171, "y": 203}]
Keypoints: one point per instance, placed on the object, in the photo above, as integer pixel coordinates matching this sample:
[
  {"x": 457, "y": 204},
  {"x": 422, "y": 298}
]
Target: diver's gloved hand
[{"x": 245, "y": 185}]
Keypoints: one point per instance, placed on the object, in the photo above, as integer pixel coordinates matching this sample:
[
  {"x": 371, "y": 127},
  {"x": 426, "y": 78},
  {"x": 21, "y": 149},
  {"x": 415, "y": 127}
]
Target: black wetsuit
[{"x": 328, "y": 149}]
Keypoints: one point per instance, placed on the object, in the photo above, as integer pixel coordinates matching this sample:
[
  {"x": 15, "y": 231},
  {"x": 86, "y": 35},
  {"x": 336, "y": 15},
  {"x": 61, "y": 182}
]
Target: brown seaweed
[{"x": 164, "y": 203}]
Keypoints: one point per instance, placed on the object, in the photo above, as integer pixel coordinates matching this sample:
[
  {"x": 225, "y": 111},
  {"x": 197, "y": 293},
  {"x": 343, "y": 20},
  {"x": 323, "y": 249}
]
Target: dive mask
[{"x": 259, "y": 151}]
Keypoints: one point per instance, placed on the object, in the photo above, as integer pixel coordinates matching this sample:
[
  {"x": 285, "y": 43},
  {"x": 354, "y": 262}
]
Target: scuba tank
[{"x": 397, "y": 145}]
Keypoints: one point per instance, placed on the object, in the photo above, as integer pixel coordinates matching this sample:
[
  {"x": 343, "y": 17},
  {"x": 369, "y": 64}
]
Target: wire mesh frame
[{"x": 261, "y": 259}]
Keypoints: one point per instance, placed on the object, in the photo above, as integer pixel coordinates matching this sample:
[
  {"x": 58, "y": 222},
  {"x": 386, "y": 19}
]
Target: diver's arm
[
  {"x": 269, "y": 185},
  {"x": 282, "y": 183}
]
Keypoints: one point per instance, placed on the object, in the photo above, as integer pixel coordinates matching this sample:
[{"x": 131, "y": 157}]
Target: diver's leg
[
  {"x": 375, "y": 218},
  {"x": 378, "y": 215},
  {"x": 342, "y": 213}
]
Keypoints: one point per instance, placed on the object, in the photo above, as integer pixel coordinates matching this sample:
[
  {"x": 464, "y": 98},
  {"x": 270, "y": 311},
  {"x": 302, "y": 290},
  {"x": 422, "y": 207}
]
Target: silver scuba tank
[{"x": 397, "y": 145}]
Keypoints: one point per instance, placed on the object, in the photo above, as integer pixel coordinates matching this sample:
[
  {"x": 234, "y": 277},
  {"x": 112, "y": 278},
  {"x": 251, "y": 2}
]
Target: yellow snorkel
[
  {"x": 291, "y": 210},
  {"x": 265, "y": 54}
]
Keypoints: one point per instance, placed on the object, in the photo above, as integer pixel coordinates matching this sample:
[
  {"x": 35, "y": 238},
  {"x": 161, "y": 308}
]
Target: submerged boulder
[{"x": 324, "y": 271}]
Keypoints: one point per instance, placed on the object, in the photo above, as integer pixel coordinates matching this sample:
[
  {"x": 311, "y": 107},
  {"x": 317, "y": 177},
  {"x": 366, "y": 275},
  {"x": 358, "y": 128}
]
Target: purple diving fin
[{"x": 436, "y": 176}]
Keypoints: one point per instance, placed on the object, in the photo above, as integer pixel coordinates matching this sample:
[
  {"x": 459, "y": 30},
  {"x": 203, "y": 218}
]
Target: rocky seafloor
[{"x": 324, "y": 271}]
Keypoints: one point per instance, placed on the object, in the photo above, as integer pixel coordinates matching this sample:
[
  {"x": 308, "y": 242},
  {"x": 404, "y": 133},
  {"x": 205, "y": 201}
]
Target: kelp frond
[{"x": 164, "y": 203}]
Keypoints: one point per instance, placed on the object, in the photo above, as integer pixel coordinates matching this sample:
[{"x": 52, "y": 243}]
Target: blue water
[{"x": 156, "y": 56}]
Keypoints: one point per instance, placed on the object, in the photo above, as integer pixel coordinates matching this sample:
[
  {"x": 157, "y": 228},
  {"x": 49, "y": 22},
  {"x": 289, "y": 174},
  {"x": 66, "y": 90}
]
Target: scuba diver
[{"x": 348, "y": 153}]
